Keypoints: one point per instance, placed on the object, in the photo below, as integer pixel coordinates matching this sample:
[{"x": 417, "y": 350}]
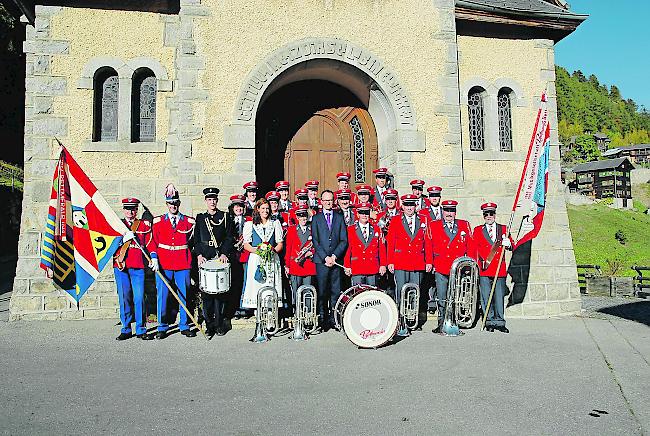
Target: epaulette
[
  {"x": 191, "y": 220},
  {"x": 249, "y": 218},
  {"x": 146, "y": 223},
  {"x": 157, "y": 219}
]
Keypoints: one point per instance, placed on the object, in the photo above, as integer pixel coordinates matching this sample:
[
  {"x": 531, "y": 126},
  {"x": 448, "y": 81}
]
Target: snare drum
[
  {"x": 369, "y": 316},
  {"x": 214, "y": 277}
]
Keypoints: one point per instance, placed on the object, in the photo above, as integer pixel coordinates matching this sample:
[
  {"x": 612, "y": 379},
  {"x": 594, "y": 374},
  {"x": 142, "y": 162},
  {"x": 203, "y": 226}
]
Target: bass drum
[{"x": 370, "y": 318}]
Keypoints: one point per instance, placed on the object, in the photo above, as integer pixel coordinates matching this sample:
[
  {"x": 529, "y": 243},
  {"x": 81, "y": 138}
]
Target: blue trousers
[
  {"x": 495, "y": 317},
  {"x": 182, "y": 281},
  {"x": 442, "y": 282},
  {"x": 130, "y": 293}
]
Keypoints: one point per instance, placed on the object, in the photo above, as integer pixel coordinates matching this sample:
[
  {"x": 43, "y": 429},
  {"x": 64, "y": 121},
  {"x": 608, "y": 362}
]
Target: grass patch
[{"x": 608, "y": 237}]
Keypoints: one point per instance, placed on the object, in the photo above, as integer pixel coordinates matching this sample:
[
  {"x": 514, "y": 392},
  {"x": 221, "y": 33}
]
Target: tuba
[
  {"x": 409, "y": 308},
  {"x": 267, "y": 321},
  {"x": 306, "y": 318},
  {"x": 463, "y": 280}
]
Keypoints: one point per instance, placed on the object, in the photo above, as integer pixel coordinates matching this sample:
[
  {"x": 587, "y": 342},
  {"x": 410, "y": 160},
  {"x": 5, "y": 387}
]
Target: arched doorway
[{"x": 312, "y": 129}]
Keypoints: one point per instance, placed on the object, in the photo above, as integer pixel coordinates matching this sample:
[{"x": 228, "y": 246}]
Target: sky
[{"x": 613, "y": 43}]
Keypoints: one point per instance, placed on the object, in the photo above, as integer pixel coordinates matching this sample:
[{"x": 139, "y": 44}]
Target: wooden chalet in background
[
  {"x": 605, "y": 179},
  {"x": 638, "y": 154}
]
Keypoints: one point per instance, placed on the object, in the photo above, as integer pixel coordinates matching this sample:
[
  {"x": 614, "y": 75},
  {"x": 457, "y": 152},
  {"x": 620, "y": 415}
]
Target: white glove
[
  {"x": 128, "y": 236},
  {"x": 505, "y": 241},
  {"x": 153, "y": 264}
]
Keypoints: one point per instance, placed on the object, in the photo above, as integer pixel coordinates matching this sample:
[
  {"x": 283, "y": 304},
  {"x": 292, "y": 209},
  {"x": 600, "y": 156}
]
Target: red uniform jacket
[
  {"x": 405, "y": 252},
  {"x": 293, "y": 245},
  {"x": 428, "y": 213},
  {"x": 483, "y": 245},
  {"x": 293, "y": 219},
  {"x": 172, "y": 243},
  {"x": 422, "y": 203},
  {"x": 447, "y": 248},
  {"x": 365, "y": 259},
  {"x": 134, "y": 257}
]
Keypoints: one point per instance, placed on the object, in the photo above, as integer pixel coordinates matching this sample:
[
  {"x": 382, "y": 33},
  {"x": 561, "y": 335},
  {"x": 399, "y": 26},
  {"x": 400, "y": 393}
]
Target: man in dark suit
[{"x": 330, "y": 238}]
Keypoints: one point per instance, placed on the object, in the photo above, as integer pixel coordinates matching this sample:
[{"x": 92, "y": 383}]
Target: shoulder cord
[{"x": 214, "y": 241}]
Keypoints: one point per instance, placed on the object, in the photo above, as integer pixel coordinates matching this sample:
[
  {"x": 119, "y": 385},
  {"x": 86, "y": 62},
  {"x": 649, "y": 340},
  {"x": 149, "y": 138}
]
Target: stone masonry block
[
  {"x": 89, "y": 302},
  {"x": 533, "y": 309},
  {"x": 23, "y": 304},
  {"x": 557, "y": 291},
  {"x": 27, "y": 267},
  {"x": 73, "y": 314},
  {"x": 29, "y": 244},
  {"x": 50, "y": 127},
  {"x": 43, "y": 85},
  {"x": 43, "y": 286},
  {"x": 21, "y": 286},
  {"x": 106, "y": 313},
  {"x": 109, "y": 301},
  {"x": 190, "y": 63},
  {"x": 42, "y": 105},
  {"x": 570, "y": 306},
  {"x": 56, "y": 303},
  {"x": 41, "y": 65},
  {"x": 46, "y": 47},
  {"x": 34, "y": 316}
]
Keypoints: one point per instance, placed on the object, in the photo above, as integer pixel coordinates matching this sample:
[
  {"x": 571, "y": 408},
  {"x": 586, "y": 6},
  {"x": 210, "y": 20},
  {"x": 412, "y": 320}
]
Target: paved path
[{"x": 566, "y": 376}]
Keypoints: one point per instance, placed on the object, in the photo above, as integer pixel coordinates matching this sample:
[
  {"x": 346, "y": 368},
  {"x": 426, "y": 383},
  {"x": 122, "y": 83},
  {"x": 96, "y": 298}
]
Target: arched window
[
  {"x": 476, "y": 119},
  {"x": 105, "y": 111},
  {"x": 505, "y": 119},
  {"x": 143, "y": 106}
]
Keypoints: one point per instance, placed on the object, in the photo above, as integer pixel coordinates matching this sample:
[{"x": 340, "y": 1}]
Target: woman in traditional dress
[{"x": 263, "y": 240}]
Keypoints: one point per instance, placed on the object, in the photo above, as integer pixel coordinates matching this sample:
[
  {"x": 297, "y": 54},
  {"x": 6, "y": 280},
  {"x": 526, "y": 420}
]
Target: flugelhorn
[
  {"x": 409, "y": 308},
  {"x": 301, "y": 255},
  {"x": 306, "y": 316},
  {"x": 267, "y": 321},
  {"x": 463, "y": 280}
]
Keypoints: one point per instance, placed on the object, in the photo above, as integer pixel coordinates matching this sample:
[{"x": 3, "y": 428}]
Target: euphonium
[
  {"x": 306, "y": 316},
  {"x": 409, "y": 308},
  {"x": 463, "y": 279},
  {"x": 267, "y": 314}
]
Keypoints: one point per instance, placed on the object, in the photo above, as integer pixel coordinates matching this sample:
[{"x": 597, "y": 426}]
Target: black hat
[{"x": 211, "y": 192}]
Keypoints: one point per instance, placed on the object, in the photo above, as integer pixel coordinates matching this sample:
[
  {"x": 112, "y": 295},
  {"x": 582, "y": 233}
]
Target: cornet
[
  {"x": 301, "y": 255},
  {"x": 267, "y": 314},
  {"x": 239, "y": 245},
  {"x": 409, "y": 308},
  {"x": 306, "y": 314}
]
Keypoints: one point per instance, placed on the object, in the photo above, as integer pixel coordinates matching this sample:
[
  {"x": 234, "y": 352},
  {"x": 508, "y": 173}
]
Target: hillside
[{"x": 594, "y": 230}]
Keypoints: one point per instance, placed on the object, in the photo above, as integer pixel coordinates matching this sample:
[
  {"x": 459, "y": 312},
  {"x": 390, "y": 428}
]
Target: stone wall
[{"x": 209, "y": 52}]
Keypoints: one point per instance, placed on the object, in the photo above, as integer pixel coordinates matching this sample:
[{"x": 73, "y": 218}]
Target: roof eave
[{"x": 560, "y": 22}]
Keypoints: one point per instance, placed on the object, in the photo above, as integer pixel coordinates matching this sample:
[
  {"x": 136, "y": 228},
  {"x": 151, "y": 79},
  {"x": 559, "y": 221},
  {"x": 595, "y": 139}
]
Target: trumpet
[
  {"x": 301, "y": 255},
  {"x": 306, "y": 314},
  {"x": 463, "y": 280},
  {"x": 239, "y": 245},
  {"x": 409, "y": 308},
  {"x": 267, "y": 321},
  {"x": 384, "y": 223}
]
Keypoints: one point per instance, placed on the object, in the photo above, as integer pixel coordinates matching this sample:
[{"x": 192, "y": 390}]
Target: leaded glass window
[
  {"x": 143, "y": 108},
  {"x": 106, "y": 105},
  {"x": 505, "y": 121},
  {"x": 359, "y": 151},
  {"x": 476, "y": 119}
]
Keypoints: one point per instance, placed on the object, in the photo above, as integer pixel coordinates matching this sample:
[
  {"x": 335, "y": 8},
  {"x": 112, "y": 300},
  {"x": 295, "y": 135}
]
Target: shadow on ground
[{"x": 638, "y": 311}]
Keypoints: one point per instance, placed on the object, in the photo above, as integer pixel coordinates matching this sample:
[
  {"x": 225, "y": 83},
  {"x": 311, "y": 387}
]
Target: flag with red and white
[
  {"x": 530, "y": 201},
  {"x": 82, "y": 232}
]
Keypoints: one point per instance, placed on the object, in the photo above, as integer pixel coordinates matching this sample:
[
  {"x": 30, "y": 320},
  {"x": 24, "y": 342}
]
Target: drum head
[
  {"x": 212, "y": 265},
  {"x": 370, "y": 319}
]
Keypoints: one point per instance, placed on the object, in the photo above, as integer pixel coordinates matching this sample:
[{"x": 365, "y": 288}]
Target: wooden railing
[
  {"x": 641, "y": 282},
  {"x": 585, "y": 271}
]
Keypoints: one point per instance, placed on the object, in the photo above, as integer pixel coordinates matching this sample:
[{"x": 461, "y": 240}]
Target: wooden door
[{"x": 332, "y": 140}]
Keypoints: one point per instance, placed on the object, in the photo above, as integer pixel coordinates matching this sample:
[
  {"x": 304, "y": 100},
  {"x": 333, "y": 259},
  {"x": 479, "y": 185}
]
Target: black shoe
[
  {"x": 161, "y": 335},
  {"x": 502, "y": 329},
  {"x": 489, "y": 328},
  {"x": 436, "y": 330},
  {"x": 188, "y": 333},
  {"x": 145, "y": 337},
  {"x": 221, "y": 331},
  {"x": 209, "y": 332},
  {"x": 227, "y": 325},
  {"x": 124, "y": 336}
]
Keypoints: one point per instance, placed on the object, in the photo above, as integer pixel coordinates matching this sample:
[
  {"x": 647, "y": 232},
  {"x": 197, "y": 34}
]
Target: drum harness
[{"x": 209, "y": 223}]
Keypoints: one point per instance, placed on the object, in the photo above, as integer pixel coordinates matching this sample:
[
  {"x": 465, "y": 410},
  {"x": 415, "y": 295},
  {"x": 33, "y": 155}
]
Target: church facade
[{"x": 217, "y": 93}]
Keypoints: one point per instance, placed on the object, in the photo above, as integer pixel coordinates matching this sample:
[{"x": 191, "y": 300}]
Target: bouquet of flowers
[{"x": 265, "y": 253}]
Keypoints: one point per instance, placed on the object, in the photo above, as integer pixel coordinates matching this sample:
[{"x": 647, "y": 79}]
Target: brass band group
[{"x": 299, "y": 262}]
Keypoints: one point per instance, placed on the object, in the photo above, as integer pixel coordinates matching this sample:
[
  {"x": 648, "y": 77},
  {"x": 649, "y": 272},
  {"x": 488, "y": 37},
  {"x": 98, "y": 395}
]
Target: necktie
[
  {"x": 410, "y": 223},
  {"x": 491, "y": 232},
  {"x": 328, "y": 217},
  {"x": 173, "y": 221},
  {"x": 364, "y": 230}
]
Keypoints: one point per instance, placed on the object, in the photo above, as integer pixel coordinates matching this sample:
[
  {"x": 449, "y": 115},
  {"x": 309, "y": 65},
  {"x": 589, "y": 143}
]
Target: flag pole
[
  {"x": 171, "y": 290},
  {"x": 512, "y": 213}
]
